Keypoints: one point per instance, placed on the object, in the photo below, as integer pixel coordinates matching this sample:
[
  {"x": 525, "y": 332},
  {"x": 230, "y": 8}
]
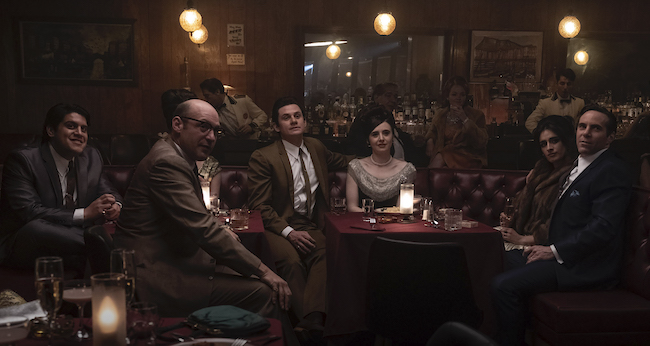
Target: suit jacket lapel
[
  {"x": 82, "y": 179},
  {"x": 195, "y": 178},
  {"x": 52, "y": 173},
  {"x": 288, "y": 174}
]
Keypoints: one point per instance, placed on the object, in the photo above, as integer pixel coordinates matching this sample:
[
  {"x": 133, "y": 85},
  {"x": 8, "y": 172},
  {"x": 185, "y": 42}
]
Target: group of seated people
[{"x": 569, "y": 226}]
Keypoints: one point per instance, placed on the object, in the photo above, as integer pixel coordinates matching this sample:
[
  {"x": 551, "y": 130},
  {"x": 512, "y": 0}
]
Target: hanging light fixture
[
  {"x": 190, "y": 18},
  {"x": 569, "y": 27},
  {"x": 333, "y": 51},
  {"x": 199, "y": 36},
  {"x": 581, "y": 57},
  {"x": 385, "y": 23}
]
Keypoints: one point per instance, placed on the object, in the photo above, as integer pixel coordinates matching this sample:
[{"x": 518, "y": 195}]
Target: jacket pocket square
[{"x": 574, "y": 193}]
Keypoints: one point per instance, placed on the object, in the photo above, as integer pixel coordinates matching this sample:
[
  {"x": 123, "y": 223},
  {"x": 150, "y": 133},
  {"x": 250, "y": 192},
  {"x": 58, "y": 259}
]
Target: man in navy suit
[
  {"x": 50, "y": 192},
  {"x": 586, "y": 234}
]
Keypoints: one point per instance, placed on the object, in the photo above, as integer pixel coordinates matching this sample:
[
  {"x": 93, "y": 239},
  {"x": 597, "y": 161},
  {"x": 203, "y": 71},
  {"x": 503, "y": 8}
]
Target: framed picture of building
[
  {"x": 501, "y": 55},
  {"x": 95, "y": 52}
]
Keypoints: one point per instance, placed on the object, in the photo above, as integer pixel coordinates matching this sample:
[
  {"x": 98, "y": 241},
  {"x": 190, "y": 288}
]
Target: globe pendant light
[
  {"x": 385, "y": 24},
  {"x": 569, "y": 27},
  {"x": 199, "y": 36},
  {"x": 190, "y": 18},
  {"x": 581, "y": 57},
  {"x": 333, "y": 51}
]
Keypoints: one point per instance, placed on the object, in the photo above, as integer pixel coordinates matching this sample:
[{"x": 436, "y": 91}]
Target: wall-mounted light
[
  {"x": 385, "y": 23},
  {"x": 190, "y": 18},
  {"x": 569, "y": 27},
  {"x": 348, "y": 74},
  {"x": 333, "y": 51},
  {"x": 199, "y": 36},
  {"x": 581, "y": 57}
]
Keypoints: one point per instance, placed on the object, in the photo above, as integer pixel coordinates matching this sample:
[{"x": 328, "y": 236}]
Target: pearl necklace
[{"x": 381, "y": 164}]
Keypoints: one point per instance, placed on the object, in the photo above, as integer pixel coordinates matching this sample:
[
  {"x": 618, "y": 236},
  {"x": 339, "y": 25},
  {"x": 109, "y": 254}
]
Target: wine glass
[
  {"x": 508, "y": 213},
  {"x": 123, "y": 262},
  {"x": 49, "y": 285},
  {"x": 78, "y": 292}
]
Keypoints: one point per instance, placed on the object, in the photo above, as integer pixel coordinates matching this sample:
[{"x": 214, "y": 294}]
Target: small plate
[{"x": 207, "y": 342}]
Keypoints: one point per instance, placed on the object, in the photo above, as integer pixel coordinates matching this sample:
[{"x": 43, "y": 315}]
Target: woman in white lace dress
[{"x": 379, "y": 175}]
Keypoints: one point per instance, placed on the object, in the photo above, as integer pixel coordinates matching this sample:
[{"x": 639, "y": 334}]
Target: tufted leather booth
[{"x": 617, "y": 317}]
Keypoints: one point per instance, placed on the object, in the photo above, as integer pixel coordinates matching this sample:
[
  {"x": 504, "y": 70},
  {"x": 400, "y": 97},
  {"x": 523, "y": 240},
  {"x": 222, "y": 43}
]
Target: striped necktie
[{"x": 305, "y": 176}]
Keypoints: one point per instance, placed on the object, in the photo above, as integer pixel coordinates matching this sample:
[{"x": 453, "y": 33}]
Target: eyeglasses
[{"x": 205, "y": 127}]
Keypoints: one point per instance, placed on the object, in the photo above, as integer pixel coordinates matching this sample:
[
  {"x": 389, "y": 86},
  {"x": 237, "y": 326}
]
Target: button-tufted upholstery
[
  {"x": 480, "y": 193},
  {"x": 617, "y": 317}
]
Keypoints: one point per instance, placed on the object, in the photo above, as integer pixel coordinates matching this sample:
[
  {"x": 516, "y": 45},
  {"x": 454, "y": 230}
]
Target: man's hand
[
  {"x": 113, "y": 212},
  {"x": 245, "y": 129},
  {"x": 302, "y": 241},
  {"x": 538, "y": 252},
  {"x": 281, "y": 291},
  {"x": 97, "y": 207}
]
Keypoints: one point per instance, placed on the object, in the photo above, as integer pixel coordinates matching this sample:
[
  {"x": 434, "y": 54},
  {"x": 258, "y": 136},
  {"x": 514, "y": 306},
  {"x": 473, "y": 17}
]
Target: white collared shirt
[
  {"x": 583, "y": 163},
  {"x": 299, "y": 194},
  {"x": 62, "y": 170}
]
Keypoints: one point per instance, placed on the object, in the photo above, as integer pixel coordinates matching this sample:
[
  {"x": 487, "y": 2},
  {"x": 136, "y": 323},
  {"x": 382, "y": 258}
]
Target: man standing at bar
[
  {"x": 240, "y": 116},
  {"x": 561, "y": 103},
  {"x": 50, "y": 192},
  {"x": 177, "y": 242},
  {"x": 288, "y": 183},
  {"x": 585, "y": 243}
]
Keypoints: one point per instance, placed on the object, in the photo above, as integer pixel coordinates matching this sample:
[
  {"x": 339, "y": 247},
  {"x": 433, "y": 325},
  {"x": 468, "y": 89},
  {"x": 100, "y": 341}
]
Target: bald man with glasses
[{"x": 179, "y": 245}]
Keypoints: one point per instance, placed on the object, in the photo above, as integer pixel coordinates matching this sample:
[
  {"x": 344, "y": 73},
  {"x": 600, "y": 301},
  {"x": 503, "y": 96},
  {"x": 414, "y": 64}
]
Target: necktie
[
  {"x": 567, "y": 181},
  {"x": 71, "y": 177},
  {"x": 305, "y": 176}
]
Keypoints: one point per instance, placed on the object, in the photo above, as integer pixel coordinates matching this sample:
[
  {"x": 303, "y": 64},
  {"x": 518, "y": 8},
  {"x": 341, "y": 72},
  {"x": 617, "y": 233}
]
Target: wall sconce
[
  {"x": 333, "y": 51},
  {"x": 569, "y": 27},
  {"x": 385, "y": 24},
  {"x": 581, "y": 57},
  {"x": 199, "y": 36},
  {"x": 190, "y": 18},
  {"x": 406, "y": 202}
]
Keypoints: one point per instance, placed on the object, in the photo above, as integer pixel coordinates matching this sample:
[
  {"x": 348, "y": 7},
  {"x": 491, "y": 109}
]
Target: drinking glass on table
[
  {"x": 368, "y": 206},
  {"x": 123, "y": 262},
  {"x": 508, "y": 212},
  {"x": 337, "y": 205},
  {"x": 78, "y": 292},
  {"x": 143, "y": 320},
  {"x": 49, "y": 285},
  {"x": 453, "y": 219},
  {"x": 239, "y": 219}
]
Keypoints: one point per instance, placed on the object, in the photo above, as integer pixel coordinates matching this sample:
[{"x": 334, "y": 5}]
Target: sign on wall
[
  {"x": 235, "y": 35},
  {"x": 236, "y": 59}
]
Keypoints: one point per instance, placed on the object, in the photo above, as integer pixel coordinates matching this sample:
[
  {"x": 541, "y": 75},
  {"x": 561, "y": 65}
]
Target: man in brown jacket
[{"x": 178, "y": 244}]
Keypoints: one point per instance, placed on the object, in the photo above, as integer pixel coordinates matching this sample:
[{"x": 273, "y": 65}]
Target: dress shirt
[
  {"x": 299, "y": 194},
  {"x": 62, "y": 170},
  {"x": 583, "y": 163}
]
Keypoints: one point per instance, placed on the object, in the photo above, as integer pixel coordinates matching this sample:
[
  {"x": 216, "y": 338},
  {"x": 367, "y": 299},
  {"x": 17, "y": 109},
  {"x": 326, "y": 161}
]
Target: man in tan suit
[
  {"x": 178, "y": 244},
  {"x": 288, "y": 183}
]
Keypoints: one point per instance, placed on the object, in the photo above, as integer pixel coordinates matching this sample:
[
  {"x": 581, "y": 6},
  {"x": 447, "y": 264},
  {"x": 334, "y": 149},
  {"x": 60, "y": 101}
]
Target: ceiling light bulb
[
  {"x": 199, "y": 36},
  {"x": 385, "y": 24},
  {"x": 581, "y": 57},
  {"x": 190, "y": 20},
  {"x": 333, "y": 51},
  {"x": 569, "y": 27}
]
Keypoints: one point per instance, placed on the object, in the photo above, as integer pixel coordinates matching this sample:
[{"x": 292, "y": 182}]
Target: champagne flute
[
  {"x": 49, "y": 285},
  {"x": 123, "y": 262},
  {"x": 508, "y": 213},
  {"x": 78, "y": 292}
]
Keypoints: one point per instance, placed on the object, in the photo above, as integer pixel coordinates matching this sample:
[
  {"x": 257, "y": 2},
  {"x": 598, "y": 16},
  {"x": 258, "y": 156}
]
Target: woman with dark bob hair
[
  {"x": 457, "y": 137},
  {"x": 379, "y": 175},
  {"x": 529, "y": 225}
]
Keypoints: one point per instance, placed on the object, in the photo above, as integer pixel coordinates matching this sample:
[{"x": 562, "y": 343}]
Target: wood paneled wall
[{"x": 272, "y": 46}]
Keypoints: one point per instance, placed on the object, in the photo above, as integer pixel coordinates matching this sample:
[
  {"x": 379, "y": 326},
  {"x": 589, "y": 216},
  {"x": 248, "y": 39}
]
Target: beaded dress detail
[{"x": 380, "y": 189}]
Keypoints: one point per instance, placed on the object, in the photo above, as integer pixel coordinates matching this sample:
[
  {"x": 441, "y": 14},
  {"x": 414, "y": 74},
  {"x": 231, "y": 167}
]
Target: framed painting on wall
[
  {"x": 514, "y": 55},
  {"x": 97, "y": 52}
]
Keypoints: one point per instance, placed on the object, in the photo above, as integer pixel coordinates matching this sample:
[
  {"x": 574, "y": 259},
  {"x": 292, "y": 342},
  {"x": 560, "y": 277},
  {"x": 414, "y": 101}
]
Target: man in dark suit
[
  {"x": 585, "y": 245},
  {"x": 288, "y": 183},
  {"x": 50, "y": 192}
]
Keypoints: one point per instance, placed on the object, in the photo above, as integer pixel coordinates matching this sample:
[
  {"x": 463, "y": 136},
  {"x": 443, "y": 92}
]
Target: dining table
[
  {"x": 254, "y": 239},
  {"x": 271, "y": 337},
  {"x": 348, "y": 247}
]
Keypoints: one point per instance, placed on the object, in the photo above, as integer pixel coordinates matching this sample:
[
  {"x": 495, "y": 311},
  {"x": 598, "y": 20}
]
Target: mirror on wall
[{"x": 414, "y": 62}]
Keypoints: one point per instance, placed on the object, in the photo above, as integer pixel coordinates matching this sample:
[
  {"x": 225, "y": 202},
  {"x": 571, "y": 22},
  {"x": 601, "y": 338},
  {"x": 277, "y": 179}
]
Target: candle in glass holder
[
  {"x": 205, "y": 189},
  {"x": 109, "y": 309},
  {"x": 406, "y": 199}
]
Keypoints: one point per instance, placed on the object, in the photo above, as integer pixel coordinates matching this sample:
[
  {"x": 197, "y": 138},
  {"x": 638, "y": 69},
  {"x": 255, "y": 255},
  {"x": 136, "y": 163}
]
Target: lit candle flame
[{"x": 108, "y": 316}]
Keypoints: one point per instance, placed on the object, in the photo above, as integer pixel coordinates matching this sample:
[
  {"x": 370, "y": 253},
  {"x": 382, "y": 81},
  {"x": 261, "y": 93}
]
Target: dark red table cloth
[{"x": 347, "y": 261}]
